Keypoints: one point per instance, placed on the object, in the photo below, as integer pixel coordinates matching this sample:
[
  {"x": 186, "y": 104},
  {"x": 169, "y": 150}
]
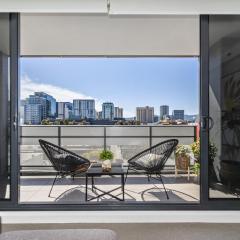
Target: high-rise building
[
  {"x": 84, "y": 108},
  {"x": 118, "y": 112},
  {"x": 145, "y": 114},
  {"x": 108, "y": 111},
  {"x": 164, "y": 111},
  {"x": 60, "y": 110},
  {"x": 38, "y": 107},
  {"x": 68, "y": 110},
  {"x": 64, "y": 110},
  {"x": 33, "y": 113},
  {"x": 51, "y": 104},
  {"x": 156, "y": 118},
  {"x": 178, "y": 114}
]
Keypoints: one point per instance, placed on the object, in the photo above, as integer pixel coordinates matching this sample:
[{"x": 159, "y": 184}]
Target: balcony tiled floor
[{"x": 36, "y": 188}]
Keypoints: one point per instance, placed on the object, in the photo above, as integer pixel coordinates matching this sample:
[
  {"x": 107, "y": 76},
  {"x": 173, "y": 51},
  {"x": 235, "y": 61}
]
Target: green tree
[
  {"x": 66, "y": 122},
  {"x": 45, "y": 122}
]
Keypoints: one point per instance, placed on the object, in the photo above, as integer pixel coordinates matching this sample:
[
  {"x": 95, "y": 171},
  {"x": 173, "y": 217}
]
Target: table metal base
[{"x": 103, "y": 193}]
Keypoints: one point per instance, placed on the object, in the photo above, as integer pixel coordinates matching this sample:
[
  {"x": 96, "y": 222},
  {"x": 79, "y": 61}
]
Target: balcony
[{"x": 124, "y": 141}]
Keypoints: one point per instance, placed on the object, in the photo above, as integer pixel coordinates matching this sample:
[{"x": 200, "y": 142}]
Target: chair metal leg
[
  {"x": 53, "y": 184},
  {"x": 149, "y": 177},
  {"x": 163, "y": 185},
  {"x": 93, "y": 183},
  {"x": 126, "y": 176}
]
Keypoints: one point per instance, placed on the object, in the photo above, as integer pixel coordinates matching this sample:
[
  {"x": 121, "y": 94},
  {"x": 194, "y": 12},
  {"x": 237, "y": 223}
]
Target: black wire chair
[
  {"x": 151, "y": 161},
  {"x": 65, "y": 162}
]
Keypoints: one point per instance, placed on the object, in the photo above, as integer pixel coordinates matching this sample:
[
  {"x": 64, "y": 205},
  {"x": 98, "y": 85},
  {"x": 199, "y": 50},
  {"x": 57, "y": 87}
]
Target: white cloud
[{"x": 28, "y": 87}]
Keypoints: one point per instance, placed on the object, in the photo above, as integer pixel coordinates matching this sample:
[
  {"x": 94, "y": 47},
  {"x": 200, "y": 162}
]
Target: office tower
[
  {"x": 156, "y": 118},
  {"x": 118, "y": 112},
  {"x": 64, "y": 110},
  {"x": 84, "y": 108},
  {"x": 145, "y": 114},
  {"x": 164, "y": 111},
  {"x": 51, "y": 104},
  {"x": 60, "y": 110},
  {"x": 108, "y": 111},
  {"x": 178, "y": 114},
  {"x": 68, "y": 110},
  {"x": 33, "y": 113}
]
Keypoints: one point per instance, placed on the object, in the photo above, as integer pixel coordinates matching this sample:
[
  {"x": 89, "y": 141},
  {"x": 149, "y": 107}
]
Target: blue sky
[{"x": 127, "y": 82}]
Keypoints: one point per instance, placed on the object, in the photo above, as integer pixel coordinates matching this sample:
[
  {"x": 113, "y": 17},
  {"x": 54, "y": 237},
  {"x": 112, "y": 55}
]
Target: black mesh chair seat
[
  {"x": 64, "y": 162},
  {"x": 151, "y": 161}
]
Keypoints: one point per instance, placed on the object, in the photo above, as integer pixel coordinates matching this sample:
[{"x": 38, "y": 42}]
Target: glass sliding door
[
  {"x": 4, "y": 106},
  {"x": 224, "y": 106}
]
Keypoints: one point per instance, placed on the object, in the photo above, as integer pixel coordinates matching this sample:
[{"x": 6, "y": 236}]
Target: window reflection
[{"x": 224, "y": 105}]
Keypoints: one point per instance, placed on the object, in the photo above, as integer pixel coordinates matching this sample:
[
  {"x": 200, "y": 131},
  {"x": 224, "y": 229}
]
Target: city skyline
[
  {"x": 42, "y": 106},
  {"x": 128, "y": 82}
]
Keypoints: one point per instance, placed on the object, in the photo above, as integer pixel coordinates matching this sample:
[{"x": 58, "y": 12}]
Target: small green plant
[
  {"x": 196, "y": 150},
  {"x": 212, "y": 151},
  {"x": 183, "y": 150},
  {"x": 106, "y": 155},
  {"x": 196, "y": 168}
]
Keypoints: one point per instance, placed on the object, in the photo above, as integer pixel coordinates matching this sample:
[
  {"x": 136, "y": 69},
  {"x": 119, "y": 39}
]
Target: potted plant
[
  {"x": 106, "y": 156},
  {"x": 212, "y": 151},
  {"x": 182, "y": 158},
  {"x": 196, "y": 152}
]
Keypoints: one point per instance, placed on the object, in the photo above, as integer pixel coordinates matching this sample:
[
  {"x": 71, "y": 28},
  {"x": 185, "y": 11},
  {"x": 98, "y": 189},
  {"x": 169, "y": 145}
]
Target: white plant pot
[{"x": 106, "y": 165}]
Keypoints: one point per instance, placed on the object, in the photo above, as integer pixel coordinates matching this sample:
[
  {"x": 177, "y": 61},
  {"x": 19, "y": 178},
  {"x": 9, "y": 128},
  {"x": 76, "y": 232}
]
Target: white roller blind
[
  {"x": 175, "y": 7},
  {"x": 74, "y": 34},
  {"x": 36, "y": 6}
]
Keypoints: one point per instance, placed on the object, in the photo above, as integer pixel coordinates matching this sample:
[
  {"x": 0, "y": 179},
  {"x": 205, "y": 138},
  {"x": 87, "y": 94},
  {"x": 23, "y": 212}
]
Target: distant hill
[{"x": 190, "y": 117}]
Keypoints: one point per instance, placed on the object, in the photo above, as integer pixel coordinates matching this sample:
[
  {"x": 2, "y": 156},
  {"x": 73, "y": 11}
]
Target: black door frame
[
  {"x": 13, "y": 121},
  {"x": 14, "y": 97},
  {"x": 205, "y": 202},
  {"x": 204, "y": 107}
]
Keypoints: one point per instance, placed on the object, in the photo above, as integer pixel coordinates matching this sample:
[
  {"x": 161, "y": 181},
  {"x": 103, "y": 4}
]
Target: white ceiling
[
  {"x": 148, "y": 7},
  {"x": 184, "y": 7},
  {"x": 77, "y": 34},
  {"x": 34, "y": 6}
]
